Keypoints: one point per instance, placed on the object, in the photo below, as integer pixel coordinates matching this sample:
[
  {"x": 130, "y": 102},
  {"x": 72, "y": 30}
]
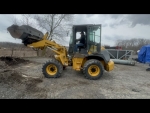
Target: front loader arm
[
  {"x": 58, "y": 49},
  {"x": 32, "y": 37}
]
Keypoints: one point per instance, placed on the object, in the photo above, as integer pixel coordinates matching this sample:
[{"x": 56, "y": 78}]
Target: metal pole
[{"x": 126, "y": 62}]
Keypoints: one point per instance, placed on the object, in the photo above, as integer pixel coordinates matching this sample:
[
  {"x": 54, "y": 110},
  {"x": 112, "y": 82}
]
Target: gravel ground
[{"x": 26, "y": 81}]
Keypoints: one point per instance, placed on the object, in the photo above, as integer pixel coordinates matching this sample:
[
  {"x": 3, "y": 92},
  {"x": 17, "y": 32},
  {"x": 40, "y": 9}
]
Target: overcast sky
[{"x": 114, "y": 26}]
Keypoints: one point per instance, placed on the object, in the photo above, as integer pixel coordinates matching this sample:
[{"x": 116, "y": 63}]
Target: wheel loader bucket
[
  {"x": 23, "y": 31},
  {"x": 12, "y": 31}
]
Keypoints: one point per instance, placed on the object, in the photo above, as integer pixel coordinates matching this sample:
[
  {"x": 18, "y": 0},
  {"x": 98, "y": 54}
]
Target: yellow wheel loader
[{"x": 91, "y": 58}]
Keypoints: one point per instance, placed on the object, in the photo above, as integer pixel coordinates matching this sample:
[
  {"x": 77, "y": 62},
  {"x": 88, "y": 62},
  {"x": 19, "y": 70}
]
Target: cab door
[{"x": 93, "y": 38}]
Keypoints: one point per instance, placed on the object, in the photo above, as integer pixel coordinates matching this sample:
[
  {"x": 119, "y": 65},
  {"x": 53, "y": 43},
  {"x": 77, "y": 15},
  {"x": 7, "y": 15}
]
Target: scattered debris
[
  {"x": 25, "y": 76},
  {"x": 148, "y": 69},
  {"x": 135, "y": 90}
]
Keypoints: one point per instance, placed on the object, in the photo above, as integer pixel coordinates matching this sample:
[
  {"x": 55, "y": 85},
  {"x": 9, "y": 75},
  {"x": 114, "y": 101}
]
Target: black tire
[
  {"x": 89, "y": 64},
  {"x": 57, "y": 66}
]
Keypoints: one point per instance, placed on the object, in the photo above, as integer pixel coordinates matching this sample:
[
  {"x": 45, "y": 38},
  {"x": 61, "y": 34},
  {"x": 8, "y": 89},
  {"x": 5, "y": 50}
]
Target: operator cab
[
  {"x": 78, "y": 30},
  {"x": 92, "y": 39}
]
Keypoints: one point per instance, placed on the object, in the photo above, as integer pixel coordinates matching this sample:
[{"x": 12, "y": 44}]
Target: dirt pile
[
  {"x": 24, "y": 86},
  {"x": 27, "y": 86},
  {"x": 15, "y": 77},
  {"x": 11, "y": 61},
  {"x": 10, "y": 77},
  {"x": 2, "y": 65}
]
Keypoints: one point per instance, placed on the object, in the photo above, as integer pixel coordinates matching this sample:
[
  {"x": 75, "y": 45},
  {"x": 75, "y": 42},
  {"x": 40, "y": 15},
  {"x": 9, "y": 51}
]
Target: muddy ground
[{"x": 23, "y": 79}]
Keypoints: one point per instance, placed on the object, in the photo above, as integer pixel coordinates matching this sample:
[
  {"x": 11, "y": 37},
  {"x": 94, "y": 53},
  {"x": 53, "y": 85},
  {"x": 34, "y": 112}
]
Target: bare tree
[
  {"x": 26, "y": 19},
  {"x": 56, "y": 24},
  {"x": 132, "y": 44},
  {"x": 15, "y": 20}
]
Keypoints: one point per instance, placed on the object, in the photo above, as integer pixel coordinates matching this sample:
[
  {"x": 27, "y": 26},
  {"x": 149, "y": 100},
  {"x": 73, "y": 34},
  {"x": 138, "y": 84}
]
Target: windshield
[
  {"x": 94, "y": 38},
  {"x": 94, "y": 34}
]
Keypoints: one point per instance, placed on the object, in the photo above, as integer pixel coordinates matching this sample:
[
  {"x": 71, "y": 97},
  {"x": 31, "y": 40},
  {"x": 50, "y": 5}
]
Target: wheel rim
[
  {"x": 94, "y": 70},
  {"x": 51, "y": 69}
]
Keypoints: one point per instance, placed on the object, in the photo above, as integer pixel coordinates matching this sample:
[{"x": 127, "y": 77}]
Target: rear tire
[
  {"x": 93, "y": 69},
  {"x": 52, "y": 69}
]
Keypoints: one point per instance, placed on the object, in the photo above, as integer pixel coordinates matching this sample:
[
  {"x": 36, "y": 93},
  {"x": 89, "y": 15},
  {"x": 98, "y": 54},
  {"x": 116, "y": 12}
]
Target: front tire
[
  {"x": 52, "y": 69},
  {"x": 93, "y": 69}
]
